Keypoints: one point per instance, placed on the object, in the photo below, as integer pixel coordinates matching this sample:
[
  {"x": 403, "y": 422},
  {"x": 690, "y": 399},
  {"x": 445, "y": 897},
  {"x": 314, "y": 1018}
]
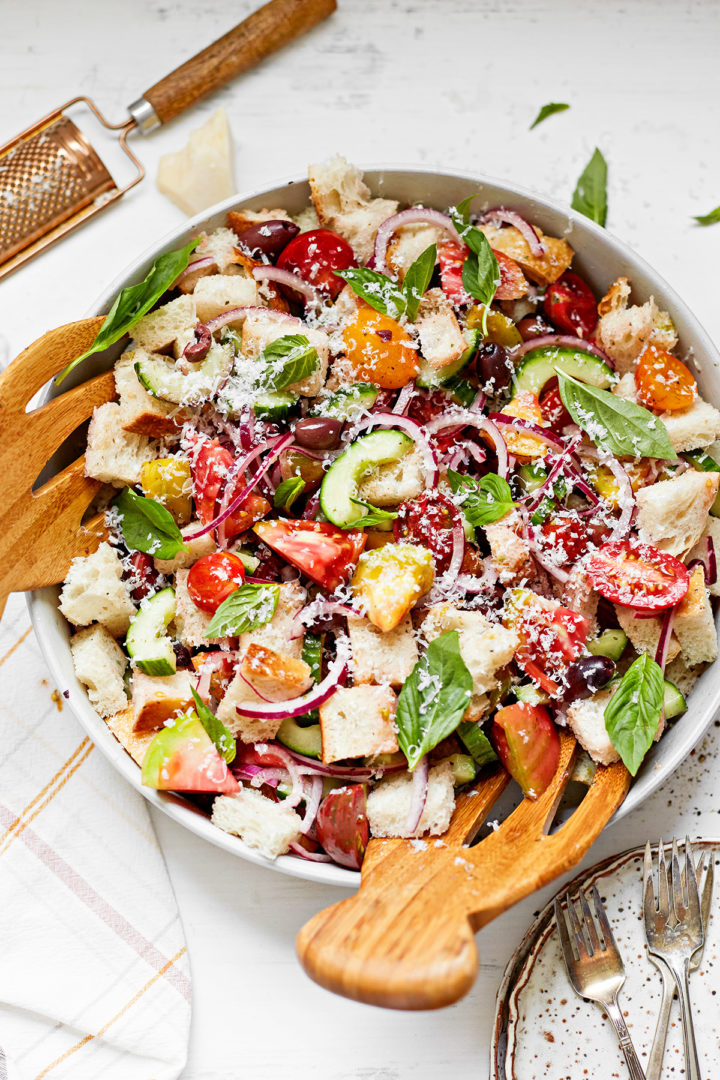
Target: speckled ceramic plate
[{"x": 544, "y": 1031}]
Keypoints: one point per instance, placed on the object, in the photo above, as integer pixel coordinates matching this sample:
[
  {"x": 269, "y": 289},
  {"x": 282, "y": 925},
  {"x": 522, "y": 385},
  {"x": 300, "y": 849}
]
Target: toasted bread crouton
[
  {"x": 157, "y": 698},
  {"x": 193, "y": 550},
  {"x": 190, "y": 621},
  {"x": 644, "y": 634},
  {"x": 342, "y": 201},
  {"x": 408, "y": 244},
  {"x": 672, "y": 513},
  {"x": 275, "y": 675},
  {"x": 159, "y": 328},
  {"x": 307, "y": 219},
  {"x": 389, "y": 485},
  {"x": 358, "y": 721},
  {"x": 688, "y": 429},
  {"x": 270, "y": 827},
  {"x": 712, "y": 530},
  {"x": 94, "y": 591},
  {"x": 542, "y": 269},
  {"x": 240, "y": 220},
  {"x": 694, "y": 625},
  {"x": 509, "y": 551},
  {"x": 624, "y": 332},
  {"x": 114, "y": 455},
  {"x": 578, "y": 595},
  {"x": 586, "y": 719},
  {"x": 682, "y": 675},
  {"x": 220, "y": 244},
  {"x": 136, "y": 743},
  {"x": 218, "y": 293},
  {"x": 441, "y": 339},
  {"x": 388, "y": 804},
  {"x": 283, "y": 633},
  {"x": 141, "y": 413},
  {"x": 100, "y": 664},
  {"x": 260, "y": 329},
  {"x": 382, "y": 658},
  {"x": 246, "y": 728},
  {"x": 485, "y": 647}
]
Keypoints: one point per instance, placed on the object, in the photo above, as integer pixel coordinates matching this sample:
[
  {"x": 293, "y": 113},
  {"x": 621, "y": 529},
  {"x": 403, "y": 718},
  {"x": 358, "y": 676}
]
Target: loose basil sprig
[
  {"x": 287, "y": 492},
  {"x": 148, "y": 526},
  {"x": 633, "y": 713},
  {"x": 388, "y": 296},
  {"x": 287, "y": 360},
  {"x": 613, "y": 423},
  {"x": 374, "y": 515},
  {"x": 480, "y": 272},
  {"x": 483, "y": 501},
  {"x": 590, "y": 195},
  {"x": 709, "y": 219},
  {"x": 215, "y": 728},
  {"x": 434, "y": 698},
  {"x": 548, "y": 110},
  {"x": 247, "y": 608},
  {"x": 137, "y": 300}
]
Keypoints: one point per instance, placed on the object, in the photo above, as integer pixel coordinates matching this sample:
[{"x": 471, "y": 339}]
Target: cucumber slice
[
  {"x": 275, "y": 406},
  {"x": 531, "y": 695},
  {"x": 429, "y": 377},
  {"x": 147, "y": 643},
  {"x": 303, "y": 740},
  {"x": 340, "y": 484},
  {"x": 249, "y": 561},
  {"x": 164, "y": 380},
  {"x": 538, "y": 365},
  {"x": 312, "y": 655},
  {"x": 674, "y": 703},
  {"x": 477, "y": 742},
  {"x": 704, "y": 463},
  {"x": 464, "y": 769},
  {"x": 611, "y": 643},
  {"x": 347, "y": 401},
  {"x": 461, "y": 391},
  {"x": 532, "y": 476}
]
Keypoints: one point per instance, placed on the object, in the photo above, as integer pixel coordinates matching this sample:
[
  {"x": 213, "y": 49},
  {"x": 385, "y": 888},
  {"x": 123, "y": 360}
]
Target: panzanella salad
[{"x": 390, "y": 497}]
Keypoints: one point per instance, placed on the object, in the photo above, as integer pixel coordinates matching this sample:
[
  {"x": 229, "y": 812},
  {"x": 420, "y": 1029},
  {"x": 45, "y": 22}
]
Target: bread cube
[
  {"x": 578, "y": 595},
  {"x": 156, "y": 698},
  {"x": 141, "y": 413},
  {"x": 113, "y": 454},
  {"x": 218, "y": 293},
  {"x": 644, "y": 634},
  {"x": 283, "y": 634},
  {"x": 699, "y": 551},
  {"x": 275, "y": 675},
  {"x": 159, "y": 328},
  {"x": 694, "y": 428},
  {"x": 694, "y": 624},
  {"x": 100, "y": 664},
  {"x": 261, "y": 328},
  {"x": 342, "y": 201},
  {"x": 94, "y": 591},
  {"x": 190, "y": 621},
  {"x": 388, "y": 804},
  {"x": 382, "y": 658},
  {"x": 358, "y": 721},
  {"x": 408, "y": 243},
  {"x": 624, "y": 332},
  {"x": 672, "y": 514},
  {"x": 194, "y": 550},
  {"x": 485, "y": 647},
  {"x": 122, "y": 724},
  {"x": 542, "y": 269},
  {"x": 270, "y": 827},
  {"x": 396, "y": 482},
  {"x": 587, "y": 721},
  {"x": 441, "y": 339},
  {"x": 220, "y": 244},
  {"x": 246, "y": 728},
  {"x": 509, "y": 551}
]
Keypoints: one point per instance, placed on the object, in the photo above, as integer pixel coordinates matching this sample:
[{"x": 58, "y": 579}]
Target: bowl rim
[{"x": 42, "y": 603}]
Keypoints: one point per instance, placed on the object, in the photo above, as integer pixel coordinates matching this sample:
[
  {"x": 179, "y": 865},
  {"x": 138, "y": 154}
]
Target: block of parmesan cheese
[{"x": 202, "y": 173}]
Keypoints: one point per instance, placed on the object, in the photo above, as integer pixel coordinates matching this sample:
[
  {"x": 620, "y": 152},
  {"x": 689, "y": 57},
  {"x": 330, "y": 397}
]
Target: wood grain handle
[{"x": 262, "y": 33}]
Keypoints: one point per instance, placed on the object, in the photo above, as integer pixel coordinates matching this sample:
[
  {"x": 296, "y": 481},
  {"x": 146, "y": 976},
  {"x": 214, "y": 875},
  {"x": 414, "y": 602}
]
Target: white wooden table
[{"x": 449, "y": 82}]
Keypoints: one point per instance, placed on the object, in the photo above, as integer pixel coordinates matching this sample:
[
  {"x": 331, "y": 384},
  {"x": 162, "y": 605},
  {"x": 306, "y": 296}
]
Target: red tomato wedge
[
  {"x": 513, "y": 283},
  {"x": 184, "y": 758},
  {"x": 528, "y": 746},
  {"x": 209, "y": 473},
  {"x": 638, "y": 575},
  {"x": 342, "y": 825},
  {"x": 571, "y": 305},
  {"x": 213, "y": 578},
  {"x": 325, "y": 554}
]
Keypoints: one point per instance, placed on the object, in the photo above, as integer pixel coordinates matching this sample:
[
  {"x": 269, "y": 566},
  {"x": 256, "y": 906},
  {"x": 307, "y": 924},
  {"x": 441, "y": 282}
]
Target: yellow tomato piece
[
  {"x": 607, "y": 487},
  {"x": 169, "y": 481},
  {"x": 500, "y": 329},
  {"x": 525, "y": 406},
  {"x": 389, "y": 580},
  {"x": 379, "y": 350}
]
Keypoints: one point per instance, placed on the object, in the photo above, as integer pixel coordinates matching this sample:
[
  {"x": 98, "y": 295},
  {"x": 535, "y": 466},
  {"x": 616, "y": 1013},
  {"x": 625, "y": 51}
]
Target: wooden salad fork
[
  {"x": 406, "y": 939},
  {"x": 43, "y": 529}
]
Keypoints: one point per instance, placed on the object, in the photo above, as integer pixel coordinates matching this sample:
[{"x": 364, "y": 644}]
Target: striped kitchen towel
[{"x": 94, "y": 976}]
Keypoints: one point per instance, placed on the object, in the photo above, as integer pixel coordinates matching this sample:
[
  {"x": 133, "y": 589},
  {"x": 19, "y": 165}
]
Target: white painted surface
[{"x": 452, "y": 82}]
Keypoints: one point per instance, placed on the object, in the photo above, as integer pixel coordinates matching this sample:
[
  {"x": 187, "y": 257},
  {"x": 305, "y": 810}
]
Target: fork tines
[
  {"x": 588, "y": 934},
  {"x": 678, "y": 888}
]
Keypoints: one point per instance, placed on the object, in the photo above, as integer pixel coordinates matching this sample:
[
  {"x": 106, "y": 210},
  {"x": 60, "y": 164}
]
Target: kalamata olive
[
  {"x": 182, "y": 656},
  {"x": 586, "y": 675},
  {"x": 318, "y": 432},
  {"x": 269, "y": 237},
  {"x": 141, "y": 576},
  {"x": 533, "y": 326},
  {"x": 197, "y": 349},
  {"x": 492, "y": 366}
]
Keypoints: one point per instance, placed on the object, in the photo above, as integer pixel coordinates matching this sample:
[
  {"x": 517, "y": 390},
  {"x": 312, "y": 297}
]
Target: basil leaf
[
  {"x": 287, "y": 360},
  {"x": 709, "y": 219},
  {"x": 434, "y": 698},
  {"x": 548, "y": 110},
  {"x": 480, "y": 273},
  {"x": 380, "y": 292},
  {"x": 614, "y": 424},
  {"x": 374, "y": 516},
  {"x": 312, "y": 654},
  {"x": 247, "y": 608},
  {"x": 590, "y": 195},
  {"x": 147, "y": 525},
  {"x": 287, "y": 492},
  {"x": 215, "y": 728},
  {"x": 476, "y": 742},
  {"x": 136, "y": 301},
  {"x": 483, "y": 501},
  {"x": 633, "y": 713},
  {"x": 417, "y": 280}
]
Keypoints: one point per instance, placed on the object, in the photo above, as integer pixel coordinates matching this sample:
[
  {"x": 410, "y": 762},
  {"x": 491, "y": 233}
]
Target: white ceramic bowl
[{"x": 600, "y": 259}]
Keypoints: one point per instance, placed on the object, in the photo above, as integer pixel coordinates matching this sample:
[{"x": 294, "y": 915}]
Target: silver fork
[
  {"x": 674, "y": 932},
  {"x": 595, "y": 967},
  {"x": 654, "y": 1065}
]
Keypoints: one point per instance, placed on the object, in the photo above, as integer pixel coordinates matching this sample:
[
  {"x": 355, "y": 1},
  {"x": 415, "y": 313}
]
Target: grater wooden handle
[{"x": 262, "y": 33}]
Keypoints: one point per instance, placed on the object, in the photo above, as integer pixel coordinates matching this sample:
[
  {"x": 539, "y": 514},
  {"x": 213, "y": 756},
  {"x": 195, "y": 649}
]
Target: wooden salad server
[
  {"x": 406, "y": 939},
  {"x": 43, "y": 529}
]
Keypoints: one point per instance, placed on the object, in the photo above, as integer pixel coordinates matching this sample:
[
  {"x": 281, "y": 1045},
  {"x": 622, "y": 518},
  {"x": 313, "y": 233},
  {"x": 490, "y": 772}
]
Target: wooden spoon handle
[{"x": 262, "y": 33}]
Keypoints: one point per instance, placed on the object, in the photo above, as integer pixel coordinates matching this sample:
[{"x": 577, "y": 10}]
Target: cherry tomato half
[
  {"x": 314, "y": 256},
  {"x": 553, "y": 411},
  {"x": 571, "y": 305},
  {"x": 142, "y": 576},
  {"x": 513, "y": 283},
  {"x": 663, "y": 382},
  {"x": 209, "y": 473},
  {"x": 427, "y": 521},
  {"x": 213, "y": 578},
  {"x": 379, "y": 350},
  {"x": 638, "y": 575},
  {"x": 451, "y": 256},
  {"x": 318, "y": 549}
]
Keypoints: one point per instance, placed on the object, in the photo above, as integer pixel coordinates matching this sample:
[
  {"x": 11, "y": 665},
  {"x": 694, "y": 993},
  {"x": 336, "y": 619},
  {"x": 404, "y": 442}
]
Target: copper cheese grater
[{"x": 51, "y": 178}]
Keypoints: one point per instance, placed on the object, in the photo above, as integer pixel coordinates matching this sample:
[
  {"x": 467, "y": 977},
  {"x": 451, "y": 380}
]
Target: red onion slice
[
  {"x": 502, "y": 216},
  {"x": 415, "y": 431},
  {"x": 311, "y": 856},
  {"x": 711, "y": 561},
  {"x": 626, "y": 500},
  {"x": 239, "y": 314},
  {"x": 471, "y": 584},
  {"x": 546, "y": 487},
  {"x": 282, "y": 710},
  {"x": 554, "y": 571},
  {"x": 526, "y": 427},
  {"x": 413, "y": 216},
  {"x": 312, "y": 803},
  {"x": 290, "y": 280},
  {"x": 562, "y": 341},
  {"x": 664, "y": 639},
  {"x": 226, "y": 504},
  {"x": 403, "y": 398},
  {"x": 466, "y": 418},
  {"x": 198, "y": 266},
  {"x": 418, "y": 795}
]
